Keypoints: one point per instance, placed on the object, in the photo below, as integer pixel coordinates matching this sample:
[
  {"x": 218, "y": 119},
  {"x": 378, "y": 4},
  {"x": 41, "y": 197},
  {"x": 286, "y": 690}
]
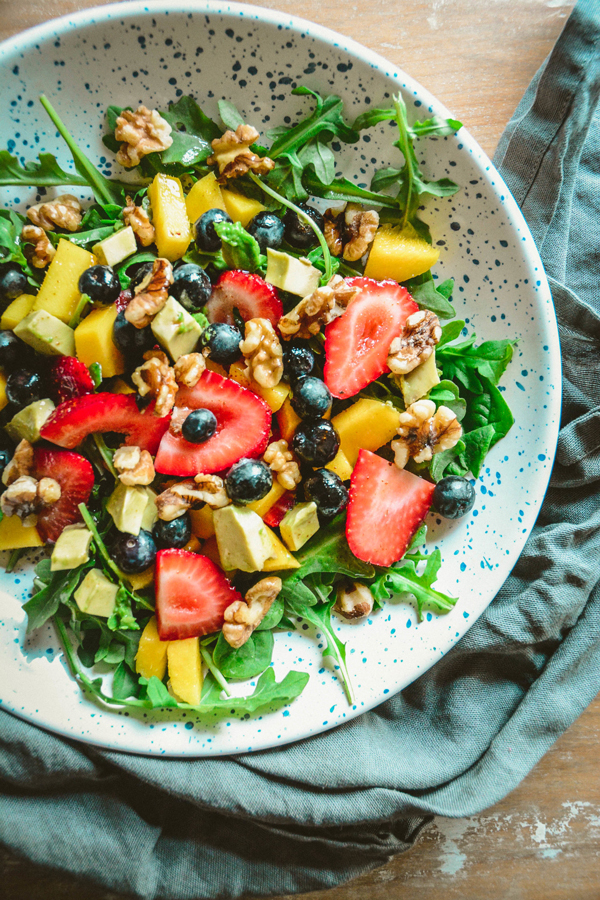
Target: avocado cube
[
  {"x": 96, "y": 595},
  {"x": 299, "y": 524},
  {"x": 150, "y": 516},
  {"x": 175, "y": 329},
  {"x": 115, "y": 248},
  {"x": 420, "y": 381},
  {"x": 46, "y": 334},
  {"x": 71, "y": 549},
  {"x": 242, "y": 539},
  {"x": 127, "y": 505},
  {"x": 297, "y": 276},
  {"x": 28, "y": 422}
]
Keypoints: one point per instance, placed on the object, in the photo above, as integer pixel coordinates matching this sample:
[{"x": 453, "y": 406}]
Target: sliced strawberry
[
  {"x": 69, "y": 378},
  {"x": 243, "y": 423},
  {"x": 246, "y": 292},
  {"x": 275, "y": 514},
  {"x": 73, "y": 420},
  {"x": 192, "y": 595},
  {"x": 387, "y": 505},
  {"x": 75, "y": 475},
  {"x": 357, "y": 343}
]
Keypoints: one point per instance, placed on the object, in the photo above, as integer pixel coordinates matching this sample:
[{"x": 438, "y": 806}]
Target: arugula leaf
[
  {"x": 45, "y": 602},
  {"x": 157, "y": 693},
  {"x": 434, "y": 297},
  {"x": 403, "y": 578},
  {"x": 46, "y": 172},
  {"x": 343, "y": 189},
  {"x": 327, "y": 118},
  {"x": 240, "y": 249},
  {"x": 125, "y": 682},
  {"x": 192, "y": 133},
  {"x": 450, "y": 332},
  {"x": 11, "y": 224},
  {"x": 229, "y": 114},
  {"x": 93, "y": 236},
  {"x": 122, "y": 615},
  {"x": 268, "y": 692},
  {"x": 141, "y": 257},
  {"x": 247, "y": 661},
  {"x": 273, "y": 617},
  {"x": 328, "y": 551}
]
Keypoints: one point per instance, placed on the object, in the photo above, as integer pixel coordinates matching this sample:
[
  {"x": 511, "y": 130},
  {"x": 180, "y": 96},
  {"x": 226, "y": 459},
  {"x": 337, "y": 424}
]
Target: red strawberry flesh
[
  {"x": 75, "y": 475},
  {"x": 70, "y": 378},
  {"x": 387, "y": 505},
  {"x": 275, "y": 514},
  {"x": 248, "y": 293}
]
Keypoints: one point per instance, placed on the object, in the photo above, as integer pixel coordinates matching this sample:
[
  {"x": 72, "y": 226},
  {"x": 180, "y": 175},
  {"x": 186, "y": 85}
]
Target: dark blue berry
[
  {"x": 12, "y": 284},
  {"x": 316, "y": 442},
  {"x": 101, "y": 284},
  {"x": 24, "y": 386},
  {"x": 191, "y": 287},
  {"x": 11, "y": 350},
  {"x": 175, "y": 533},
  {"x": 223, "y": 342},
  {"x": 207, "y": 239},
  {"x": 311, "y": 398},
  {"x": 298, "y": 360},
  {"x": 134, "y": 553},
  {"x": 453, "y": 497},
  {"x": 297, "y": 232},
  {"x": 199, "y": 426},
  {"x": 268, "y": 230},
  {"x": 327, "y": 490},
  {"x": 131, "y": 341},
  {"x": 248, "y": 480}
]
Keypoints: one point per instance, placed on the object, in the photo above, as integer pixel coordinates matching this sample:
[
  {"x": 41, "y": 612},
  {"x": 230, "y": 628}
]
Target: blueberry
[
  {"x": 24, "y": 386},
  {"x": 175, "y": 533},
  {"x": 311, "y": 398},
  {"x": 316, "y": 442},
  {"x": 131, "y": 341},
  {"x": 134, "y": 553},
  {"x": 223, "y": 342},
  {"x": 248, "y": 480},
  {"x": 268, "y": 230},
  {"x": 101, "y": 284},
  {"x": 297, "y": 232},
  {"x": 298, "y": 360},
  {"x": 199, "y": 426},
  {"x": 327, "y": 490},
  {"x": 191, "y": 287},
  {"x": 207, "y": 239},
  {"x": 453, "y": 497},
  {"x": 138, "y": 273},
  {"x": 12, "y": 284},
  {"x": 11, "y": 350}
]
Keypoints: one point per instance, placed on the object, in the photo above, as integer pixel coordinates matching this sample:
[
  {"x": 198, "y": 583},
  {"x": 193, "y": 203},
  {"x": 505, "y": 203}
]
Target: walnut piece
[
  {"x": 263, "y": 353},
  {"x": 421, "y": 332},
  {"x": 26, "y": 496},
  {"x": 20, "y": 464},
  {"x": 139, "y": 220},
  {"x": 134, "y": 466},
  {"x": 318, "y": 309},
  {"x": 151, "y": 294},
  {"x": 423, "y": 432},
  {"x": 184, "y": 495},
  {"x": 242, "y": 617},
  {"x": 155, "y": 376},
  {"x": 354, "y": 601},
  {"x": 231, "y": 152},
  {"x": 42, "y": 252},
  {"x": 143, "y": 131},
  {"x": 333, "y": 230},
  {"x": 189, "y": 368},
  {"x": 282, "y": 462},
  {"x": 64, "y": 211},
  {"x": 360, "y": 226}
]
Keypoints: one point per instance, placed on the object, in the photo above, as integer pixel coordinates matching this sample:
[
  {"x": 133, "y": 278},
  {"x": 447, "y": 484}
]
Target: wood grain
[{"x": 543, "y": 841}]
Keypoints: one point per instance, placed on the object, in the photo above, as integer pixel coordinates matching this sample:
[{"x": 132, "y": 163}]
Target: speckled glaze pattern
[{"x": 133, "y": 53}]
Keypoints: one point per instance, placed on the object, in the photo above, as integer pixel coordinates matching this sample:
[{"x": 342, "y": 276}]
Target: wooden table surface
[{"x": 543, "y": 841}]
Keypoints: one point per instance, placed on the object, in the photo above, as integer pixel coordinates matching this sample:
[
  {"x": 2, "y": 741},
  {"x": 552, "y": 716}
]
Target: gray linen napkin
[{"x": 324, "y": 810}]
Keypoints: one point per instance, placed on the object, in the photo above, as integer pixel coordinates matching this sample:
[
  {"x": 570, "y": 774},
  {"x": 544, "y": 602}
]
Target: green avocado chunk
[
  {"x": 46, "y": 334},
  {"x": 71, "y": 549},
  {"x": 242, "y": 539},
  {"x": 175, "y": 329},
  {"x": 96, "y": 595},
  {"x": 127, "y": 506},
  {"x": 297, "y": 276},
  {"x": 299, "y": 524},
  {"x": 28, "y": 422}
]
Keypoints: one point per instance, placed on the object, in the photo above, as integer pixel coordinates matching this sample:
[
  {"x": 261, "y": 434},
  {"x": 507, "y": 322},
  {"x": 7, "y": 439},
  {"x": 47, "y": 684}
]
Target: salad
[{"x": 227, "y": 405}]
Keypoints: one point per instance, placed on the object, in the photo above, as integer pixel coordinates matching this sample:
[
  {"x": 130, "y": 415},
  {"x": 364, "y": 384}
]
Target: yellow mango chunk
[
  {"x": 3, "y": 397},
  {"x": 280, "y": 558},
  {"x": 14, "y": 535},
  {"x": 193, "y": 545},
  {"x": 202, "y": 522},
  {"x": 205, "y": 194},
  {"x": 169, "y": 217},
  {"x": 59, "y": 293},
  {"x": 151, "y": 658},
  {"x": 366, "y": 425},
  {"x": 94, "y": 343},
  {"x": 340, "y": 465},
  {"x": 216, "y": 367},
  {"x": 261, "y": 507},
  {"x": 185, "y": 669},
  {"x": 240, "y": 208},
  {"x": 288, "y": 420},
  {"x": 121, "y": 387},
  {"x": 141, "y": 580},
  {"x": 274, "y": 397},
  {"x": 16, "y": 311},
  {"x": 399, "y": 253}
]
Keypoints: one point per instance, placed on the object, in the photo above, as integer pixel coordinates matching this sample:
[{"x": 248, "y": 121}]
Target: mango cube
[
  {"x": 16, "y": 311},
  {"x": 94, "y": 343},
  {"x": 399, "y": 253},
  {"x": 263, "y": 505},
  {"x": 169, "y": 216},
  {"x": 241, "y": 209},
  {"x": 3, "y": 397},
  {"x": 151, "y": 657},
  {"x": 140, "y": 580},
  {"x": 366, "y": 425},
  {"x": 288, "y": 420},
  {"x": 14, "y": 535},
  {"x": 202, "y": 522},
  {"x": 205, "y": 194},
  {"x": 280, "y": 558},
  {"x": 185, "y": 669},
  {"x": 340, "y": 465},
  {"x": 59, "y": 293},
  {"x": 274, "y": 397}
]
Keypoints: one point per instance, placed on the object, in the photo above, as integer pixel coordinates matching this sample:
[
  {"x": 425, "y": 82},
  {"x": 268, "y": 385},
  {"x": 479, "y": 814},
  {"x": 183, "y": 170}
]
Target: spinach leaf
[
  {"x": 446, "y": 394},
  {"x": 45, "y": 602},
  {"x": 11, "y": 224},
  {"x": 450, "y": 332},
  {"x": 488, "y": 407},
  {"x": 240, "y": 250},
  {"x": 249, "y": 660},
  {"x": 403, "y": 578},
  {"x": 93, "y": 236},
  {"x": 46, "y": 172},
  {"x": 465, "y": 362},
  {"x": 434, "y": 297},
  {"x": 125, "y": 682},
  {"x": 229, "y": 114},
  {"x": 192, "y": 133},
  {"x": 467, "y": 456},
  {"x": 273, "y": 617},
  {"x": 328, "y": 551}
]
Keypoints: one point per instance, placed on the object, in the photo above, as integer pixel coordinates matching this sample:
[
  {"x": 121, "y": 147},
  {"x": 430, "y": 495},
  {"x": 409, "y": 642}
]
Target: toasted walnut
[
  {"x": 42, "y": 252},
  {"x": 212, "y": 488},
  {"x": 151, "y": 294},
  {"x": 282, "y": 462},
  {"x": 420, "y": 334},
  {"x": 263, "y": 353},
  {"x": 231, "y": 152},
  {"x": 360, "y": 226},
  {"x": 319, "y": 308},
  {"x": 189, "y": 368},
  {"x": 139, "y": 220},
  {"x": 26, "y": 496},
  {"x": 184, "y": 495},
  {"x": 178, "y": 417},
  {"x": 423, "y": 432},
  {"x": 243, "y": 616},
  {"x": 143, "y": 131},
  {"x": 64, "y": 211},
  {"x": 20, "y": 464},
  {"x": 134, "y": 466},
  {"x": 156, "y": 377},
  {"x": 333, "y": 230},
  {"x": 354, "y": 601},
  {"x": 48, "y": 491}
]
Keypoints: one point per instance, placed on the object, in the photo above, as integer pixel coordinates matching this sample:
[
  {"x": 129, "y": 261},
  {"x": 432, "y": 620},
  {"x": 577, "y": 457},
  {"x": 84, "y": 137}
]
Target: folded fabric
[{"x": 319, "y": 812}]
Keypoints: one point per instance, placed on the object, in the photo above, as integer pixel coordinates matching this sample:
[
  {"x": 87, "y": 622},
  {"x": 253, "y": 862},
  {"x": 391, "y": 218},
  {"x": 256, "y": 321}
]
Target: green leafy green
[
  {"x": 45, "y": 602},
  {"x": 125, "y": 682},
  {"x": 433, "y": 296},
  {"x": 327, "y": 118},
  {"x": 466, "y": 363},
  {"x": 249, "y": 660},
  {"x": 122, "y": 615},
  {"x": 343, "y": 189},
  {"x": 11, "y": 224},
  {"x": 229, "y": 114},
  {"x": 446, "y": 394},
  {"x": 403, "y": 577},
  {"x": 46, "y": 172},
  {"x": 240, "y": 250},
  {"x": 328, "y": 551},
  {"x": 192, "y": 133}
]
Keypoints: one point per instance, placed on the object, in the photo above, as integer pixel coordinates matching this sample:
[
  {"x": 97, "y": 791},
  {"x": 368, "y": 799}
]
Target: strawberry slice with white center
[
  {"x": 243, "y": 424},
  {"x": 248, "y": 293},
  {"x": 192, "y": 594},
  {"x": 357, "y": 343},
  {"x": 387, "y": 505},
  {"x": 75, "y": 475},
  {"x": 73, "y": 420}
]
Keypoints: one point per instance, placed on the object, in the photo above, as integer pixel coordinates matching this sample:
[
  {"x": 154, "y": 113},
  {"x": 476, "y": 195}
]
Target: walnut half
[
  {"x": 231, "y": 152},
  {"x": 155, "y": 376},
  {"x": 134, "y": 466},
  {"x": 281, "y": 461},
  {"x": 350, "y": 231},
  {"x": 318, "y": 309},
  {"x": 141, "y": 132},
  {"x": 354, "y": 601},
  {"x": 139, "y": 220},
  {"x": 151, "y": 294},
  {"x": 64, "y": 211},
  {"x": 176, "y": 500},
  {"x": 43, "y": 251},
  {"x": 26, "y": 496},
  {"x": 421, "y": 332},
  {"x": 243, "y": 616},
  {"x": 263, "y": 353},
  {"x": 424, "y": 431}
]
